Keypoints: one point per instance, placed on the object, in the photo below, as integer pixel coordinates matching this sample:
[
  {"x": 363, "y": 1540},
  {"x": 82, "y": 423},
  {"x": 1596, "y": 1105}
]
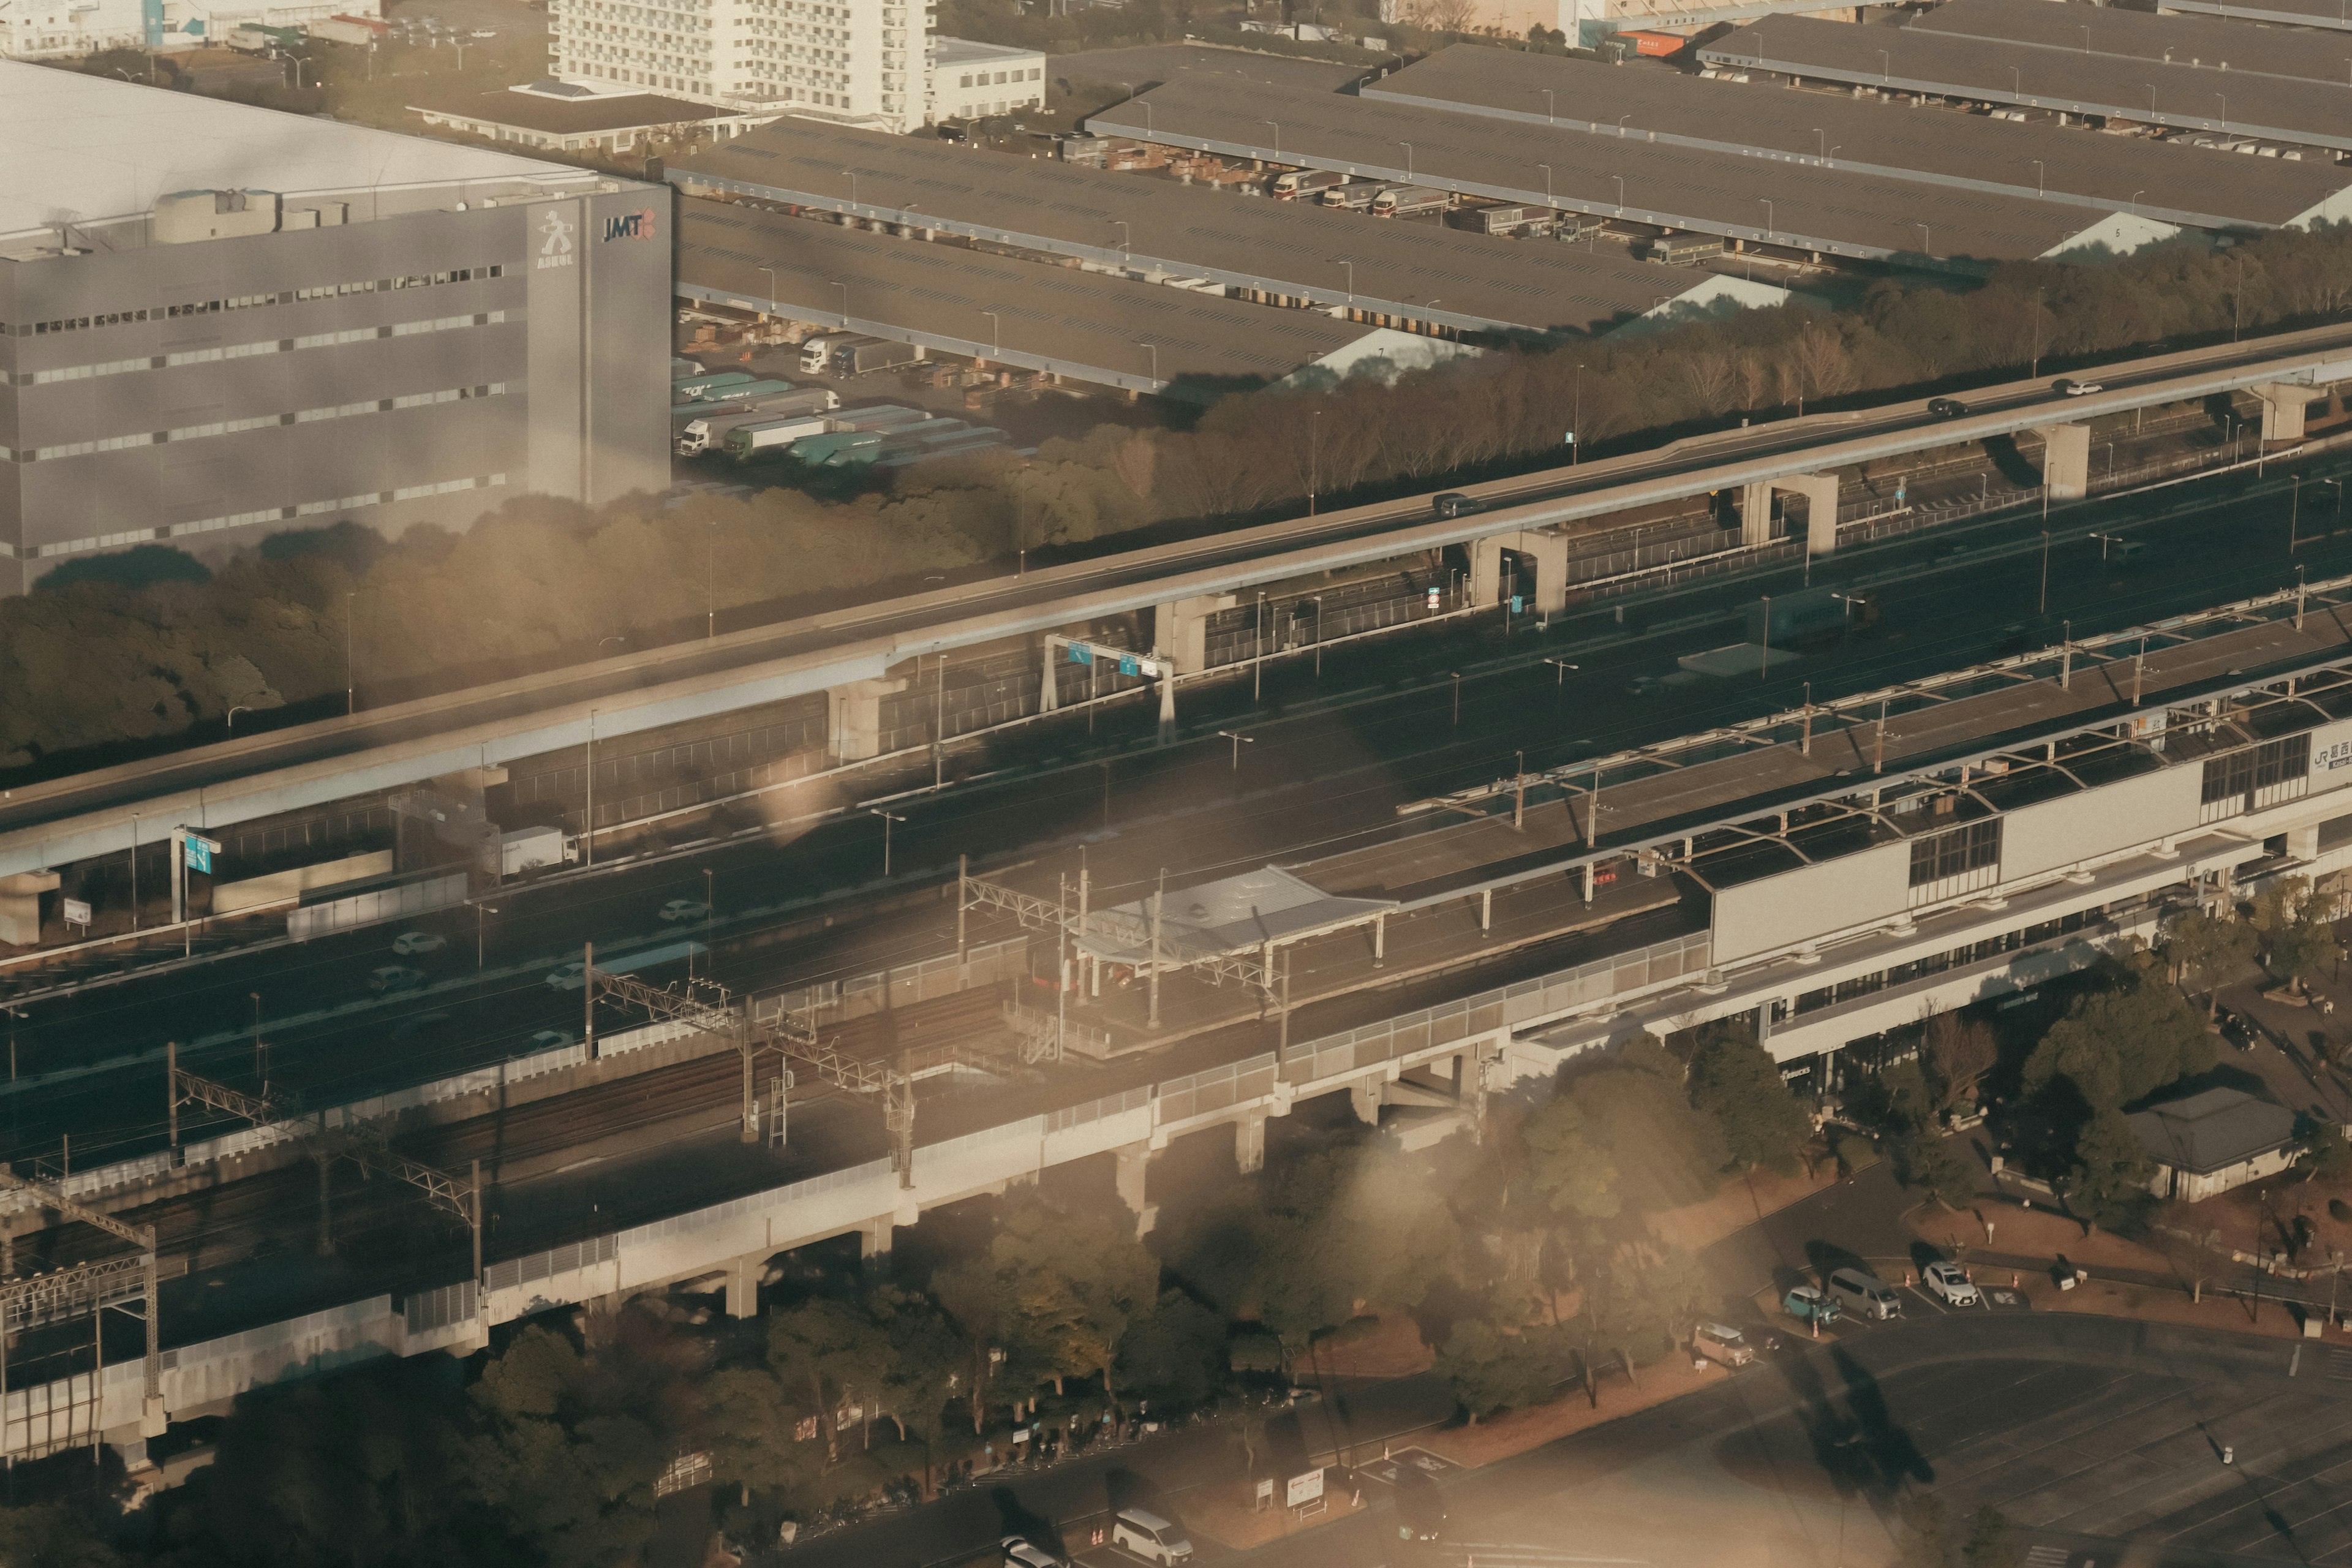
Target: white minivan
[{"x": 1150, "y": 1537}]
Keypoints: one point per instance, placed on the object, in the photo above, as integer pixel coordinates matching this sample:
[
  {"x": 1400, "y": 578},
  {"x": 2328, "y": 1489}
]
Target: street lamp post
[
  {"x": 1277, "y": 139},
  {"x": 480, "y": 944},
  {"x": 1316, "y": 600},
  {"x": 1549, "y": 116},
  {"x": 350, "y": 686},
  {"x": 1155, "y": 361},
  {"x": 1126, "y": 236},
  {"x": 2041, "y": 176},
  {"x": 1408, "y": 158},
  {"x": 1767, "y": 215},
  {"x": 888, "y": 818},
  {"x": 851, "y": 176},
  {"x": 1351, "y": 266},
  {"x": 1239, "y": 740},
  {"x": 772, "y": 289},
  {"x": 996, "y": 333},
  {"x": 1621, "y": 194},
  {"x": 845, "y": 300},
  {"x": 1576, "y": 417},
  {"x": 1457, "y": 697},
  {"x": 1548, "y": 202}
]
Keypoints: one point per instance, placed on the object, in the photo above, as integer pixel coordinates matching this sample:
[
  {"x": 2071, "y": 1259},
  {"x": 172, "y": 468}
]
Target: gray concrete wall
[{"x": 534, "y": 368}]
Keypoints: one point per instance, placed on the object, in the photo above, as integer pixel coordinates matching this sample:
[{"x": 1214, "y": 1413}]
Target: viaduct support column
[
  {"x": 873, "y": 1242},
  {"x": 1364, "y": 1099},
  {"x": 853, "y": 719},
  {"x": 1134, "y": 1165},
  {"x": 1756, "y": 513},
  {"x": 1820, "y": 493},
  {"x": 1549, "y": 552},
  {"x": 1486, "y": 571},
  {"x": 743, "y": 1285},
  {"x": 20, "y": 905},
  {"x": 1181, "y": 630},
  {"x": 2282, "y": 411},
  {"x": 1249, "y": 1142},
  {"x": 2066, "y": 459}
]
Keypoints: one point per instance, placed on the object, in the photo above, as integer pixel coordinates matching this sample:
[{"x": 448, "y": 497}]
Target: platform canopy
[{"x": 1212, "y": 924}]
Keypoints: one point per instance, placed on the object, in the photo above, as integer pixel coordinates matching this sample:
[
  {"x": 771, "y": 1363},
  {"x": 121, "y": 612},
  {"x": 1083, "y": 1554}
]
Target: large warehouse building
[{"x": 191, "y": 288}]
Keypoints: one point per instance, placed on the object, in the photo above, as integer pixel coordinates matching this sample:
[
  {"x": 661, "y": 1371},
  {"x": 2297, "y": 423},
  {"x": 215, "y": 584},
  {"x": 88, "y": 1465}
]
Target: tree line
[
  {"x": 1526, "y": 1250},
  {"x": 148, "y": 647}
]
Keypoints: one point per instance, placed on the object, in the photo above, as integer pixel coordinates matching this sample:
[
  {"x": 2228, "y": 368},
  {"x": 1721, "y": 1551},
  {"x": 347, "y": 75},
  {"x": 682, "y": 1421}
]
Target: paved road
[{"x": 2087, "y": 1432}]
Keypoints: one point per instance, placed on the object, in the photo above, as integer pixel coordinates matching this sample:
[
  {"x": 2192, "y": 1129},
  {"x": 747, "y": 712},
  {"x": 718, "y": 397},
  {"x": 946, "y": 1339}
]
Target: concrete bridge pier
[
  {"x": 873, "y": 1241},
  {"x": 1132, "y": 1177},
  {"x": 743, "y": 1284},
  {"x": 853, "y": 719},
  {"x": 1365, "y": 1098},
  {"x": 1179, "y": 629},
  {"x": 1820, "y": 493},
  {"x": 1249, "y": 1142},
  {"x": 2283, "y": 411},
  {"x": 2066, "y": 460},
  {"x": 1549, "y": 552},
  {"x": 20, "y": 906}
]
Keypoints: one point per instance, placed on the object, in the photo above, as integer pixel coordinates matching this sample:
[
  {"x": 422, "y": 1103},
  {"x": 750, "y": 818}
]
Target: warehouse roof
[
  {"x": 1146, "y": 66},
  {"x": 1830, "y": 210},
  {"x": 2204, "y": 43},
  {"x": 1911, "y": 59},
  {"x": 2289, "y": 13},
  {"x": 86, "y": 149},
  {"x": 1085, "y": 325},
  {"x": 2169, "y": 180},
  {"x": 1413, "y": 271}
]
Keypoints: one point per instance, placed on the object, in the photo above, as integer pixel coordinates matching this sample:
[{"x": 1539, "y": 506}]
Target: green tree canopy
[
  {"x": 2121, "y": 1042},
  {"x": 2108, "y": 1184},
  {"x": 1736, "y": 1080},
  {"x": 2207, "y": 949}
]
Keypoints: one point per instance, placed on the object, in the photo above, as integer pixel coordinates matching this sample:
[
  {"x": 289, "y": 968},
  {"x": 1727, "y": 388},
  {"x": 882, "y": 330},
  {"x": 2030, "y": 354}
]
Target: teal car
[{"x": 1808, "y": 1305}]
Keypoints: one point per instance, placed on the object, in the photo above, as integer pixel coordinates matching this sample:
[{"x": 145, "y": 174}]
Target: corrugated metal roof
[
  {"x": 1830, "y": 127},
  {"x": 2212, "y": 1131},
  {"x": 1830, "y": 210},
  {"x": 1410, "y": 269},
  {"x": 1082, "y": 323},
  {"x": 1910, "y": 59}
]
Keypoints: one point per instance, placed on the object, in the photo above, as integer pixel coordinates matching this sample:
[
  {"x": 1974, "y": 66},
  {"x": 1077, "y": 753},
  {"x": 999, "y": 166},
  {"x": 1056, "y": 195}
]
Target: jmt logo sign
[
  {"x": 632, "y": 225},
  {"x": 554, "y": 241}
]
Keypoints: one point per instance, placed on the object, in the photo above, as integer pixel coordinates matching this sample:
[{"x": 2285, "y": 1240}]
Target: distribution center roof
[
  {"x": 2170, "y": 180},
  {"x": 2202, "y": 42},
  {"x": 1830, "y": 210},
  {"x": 1074, "y": 323},
  {"x": 1910, "y": 59},
  {"x": 1414, "y": 271},
  {"x": 2294, "y": 13},
  {"x": 1146, "y": 66},
  {"x": 83, "y": 149}
]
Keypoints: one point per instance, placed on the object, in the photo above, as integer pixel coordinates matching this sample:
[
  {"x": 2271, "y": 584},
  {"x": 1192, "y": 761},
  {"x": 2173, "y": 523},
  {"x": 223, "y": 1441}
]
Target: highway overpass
[{"x": 61, "y": 822}]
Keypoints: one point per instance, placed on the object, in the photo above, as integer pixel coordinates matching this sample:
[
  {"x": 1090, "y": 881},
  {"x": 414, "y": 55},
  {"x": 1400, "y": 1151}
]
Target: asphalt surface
[
  {"x": 2088, "y": 1433},
  {"x": 899, "y": 618}
]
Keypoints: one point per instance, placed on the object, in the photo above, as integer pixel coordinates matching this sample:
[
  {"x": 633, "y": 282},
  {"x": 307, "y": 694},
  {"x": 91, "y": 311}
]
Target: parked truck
[
  {"x": 1300, "y": 183},
  {"x": 1411, "y": 201},
  {"x": 703, "y": 434},
  {"x": 1357, "y": 196},
  {"x": 531, "y": 848},
  {"x": 816, "y": 352},
  {"x": 756, "y": 437},
  {"x": 873, "y": 355},
  {"x": 839, "y": 448},
  {"x": 1493, "y": 220},
  {"x": 708, "y": 384},
  {"x": 1682, "y": 250}
]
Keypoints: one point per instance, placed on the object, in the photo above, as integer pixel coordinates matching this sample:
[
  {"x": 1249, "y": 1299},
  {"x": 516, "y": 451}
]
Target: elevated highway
[{"x": 63, "y": 821}]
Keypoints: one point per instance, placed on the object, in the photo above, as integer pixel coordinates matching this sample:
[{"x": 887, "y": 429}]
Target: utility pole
[{"x": 1158, "y": 898}]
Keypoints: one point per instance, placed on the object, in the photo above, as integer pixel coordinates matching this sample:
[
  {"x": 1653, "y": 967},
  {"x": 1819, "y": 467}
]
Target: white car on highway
[
  {"x": 1950, "y": 1284},
  {"x": 678, "y": 910},
  {"x": 409, "y": 943}
]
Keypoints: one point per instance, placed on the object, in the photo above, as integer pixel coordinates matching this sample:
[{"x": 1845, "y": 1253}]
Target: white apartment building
[
  {"x": 865, "y": 63},
  {"x": 972, "y": 79}
]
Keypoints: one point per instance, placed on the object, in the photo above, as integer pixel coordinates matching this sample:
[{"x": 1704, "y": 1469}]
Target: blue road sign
[
  {"x": 199, "y": 852},
  {"x": 1081, "y": 654},
  {"x": 1126, "y": 666}
]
